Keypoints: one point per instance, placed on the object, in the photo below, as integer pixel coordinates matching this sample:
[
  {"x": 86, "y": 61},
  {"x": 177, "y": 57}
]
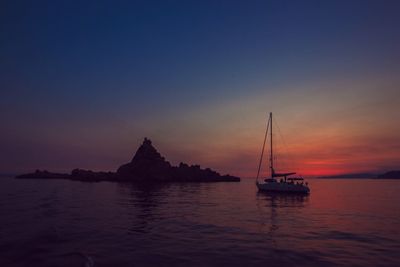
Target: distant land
[
  {"x": 390, "y": 175},
  {"x": 387, "y": 175},
  {"x": 350, "y": 176},
  {"x": 147, "y": 165}
]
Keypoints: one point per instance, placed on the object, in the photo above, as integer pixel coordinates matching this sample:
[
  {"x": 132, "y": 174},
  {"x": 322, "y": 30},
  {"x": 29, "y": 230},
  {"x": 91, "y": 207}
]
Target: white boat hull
[{"x": 283, "y": 187}]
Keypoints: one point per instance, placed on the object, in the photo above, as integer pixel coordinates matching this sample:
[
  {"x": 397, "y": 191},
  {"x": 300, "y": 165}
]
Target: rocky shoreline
[{"x": 146, "y": 166}]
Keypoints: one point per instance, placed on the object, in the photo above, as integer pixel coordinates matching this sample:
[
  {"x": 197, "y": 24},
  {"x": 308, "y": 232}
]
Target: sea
[{"x": 343, "y": 222}]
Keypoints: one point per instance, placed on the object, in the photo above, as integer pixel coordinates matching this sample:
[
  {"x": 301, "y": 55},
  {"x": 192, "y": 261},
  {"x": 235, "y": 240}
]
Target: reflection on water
[
  {"x": 64, "y": 223},
  {"x": 142, "y": 202},
  {"x": 272, "y": 202},
  {"x": 274, "y": 199}
]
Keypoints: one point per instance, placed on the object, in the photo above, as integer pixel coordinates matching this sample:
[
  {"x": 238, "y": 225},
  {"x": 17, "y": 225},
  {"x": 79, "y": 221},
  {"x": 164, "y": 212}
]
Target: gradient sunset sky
[{"x": 83, "y": 83}]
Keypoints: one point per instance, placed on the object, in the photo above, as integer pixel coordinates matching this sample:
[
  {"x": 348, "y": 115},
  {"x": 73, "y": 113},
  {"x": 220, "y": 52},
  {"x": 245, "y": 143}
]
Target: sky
[{"x": 83, "y": 82}]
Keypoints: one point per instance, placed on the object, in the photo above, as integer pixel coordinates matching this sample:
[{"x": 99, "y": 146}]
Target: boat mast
[
  {"x": 262, "y": 150},
  {"x": 270, "y": 158}
]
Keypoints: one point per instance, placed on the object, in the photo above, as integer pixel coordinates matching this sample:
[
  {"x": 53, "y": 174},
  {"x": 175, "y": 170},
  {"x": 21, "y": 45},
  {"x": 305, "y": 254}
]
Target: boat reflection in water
[
  {"x": 279, "y": 199},
  {"x": 273, "y": 208}
]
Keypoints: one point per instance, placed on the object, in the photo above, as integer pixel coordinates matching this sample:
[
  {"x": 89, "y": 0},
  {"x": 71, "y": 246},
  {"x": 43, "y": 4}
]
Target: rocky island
[{"x": 147, "y": 165}]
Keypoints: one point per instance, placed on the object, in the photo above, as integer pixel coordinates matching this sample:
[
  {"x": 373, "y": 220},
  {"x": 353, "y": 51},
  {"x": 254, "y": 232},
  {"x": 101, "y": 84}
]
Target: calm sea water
[{"x": 66, "y": 223}]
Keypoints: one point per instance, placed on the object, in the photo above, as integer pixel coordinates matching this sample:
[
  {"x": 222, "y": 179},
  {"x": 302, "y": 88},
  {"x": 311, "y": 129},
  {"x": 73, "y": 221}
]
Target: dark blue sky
[{"x": 71, "y": 69}]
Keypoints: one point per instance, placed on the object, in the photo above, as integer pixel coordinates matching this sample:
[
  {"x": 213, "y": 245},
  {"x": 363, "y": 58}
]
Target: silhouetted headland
[
  {"x": 147, "y": 165},
  {"x": 350, "y": 176},
  {"x": 390, "y": 175},
  {"x": 386, "y": 175}
]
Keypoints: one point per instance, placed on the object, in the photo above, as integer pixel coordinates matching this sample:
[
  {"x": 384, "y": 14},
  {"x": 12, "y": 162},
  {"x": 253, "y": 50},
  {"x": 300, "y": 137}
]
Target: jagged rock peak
[{"x": 147, "y": 152}]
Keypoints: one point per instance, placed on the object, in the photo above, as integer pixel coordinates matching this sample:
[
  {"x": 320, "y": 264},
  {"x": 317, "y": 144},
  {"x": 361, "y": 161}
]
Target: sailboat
[{"x": 285, "y": 184}]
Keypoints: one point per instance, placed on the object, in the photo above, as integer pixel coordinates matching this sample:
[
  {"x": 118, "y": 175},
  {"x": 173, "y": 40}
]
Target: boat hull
[{"x": 283, "y": 187}]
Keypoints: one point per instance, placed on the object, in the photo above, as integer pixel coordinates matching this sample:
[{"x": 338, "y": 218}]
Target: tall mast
[
  {"x": 262, "y": 150},
  {"x": 270, "y": 158}
]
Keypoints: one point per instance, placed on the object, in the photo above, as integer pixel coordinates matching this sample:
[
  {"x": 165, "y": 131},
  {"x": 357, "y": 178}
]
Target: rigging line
[
  {"x": 285, "y": 144},
  {"x": 262, "y": 151}
]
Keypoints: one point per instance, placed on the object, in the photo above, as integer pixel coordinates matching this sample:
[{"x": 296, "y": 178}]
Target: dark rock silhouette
[
  {"x": 83, "y": 175},
  {"x": 147, "y": 165},
  {"x": 390, "y": 175},
  {"x": 44, "y": 175},
  {"x": 76, "y": 174}
]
